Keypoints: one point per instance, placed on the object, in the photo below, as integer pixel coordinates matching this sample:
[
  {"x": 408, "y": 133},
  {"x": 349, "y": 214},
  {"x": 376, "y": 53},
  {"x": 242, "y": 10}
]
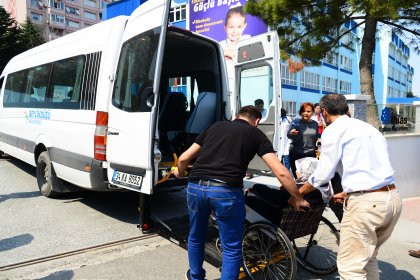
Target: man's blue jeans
[
  {"x": 229, "y": 209},
  {"x": 286, "y": 162}
]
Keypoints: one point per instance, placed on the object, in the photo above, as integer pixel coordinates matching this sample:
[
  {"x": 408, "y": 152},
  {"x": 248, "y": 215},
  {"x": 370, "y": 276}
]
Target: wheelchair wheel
[
  {"x": 317, "y": 252},
  {"x": 267, "y": 253}
]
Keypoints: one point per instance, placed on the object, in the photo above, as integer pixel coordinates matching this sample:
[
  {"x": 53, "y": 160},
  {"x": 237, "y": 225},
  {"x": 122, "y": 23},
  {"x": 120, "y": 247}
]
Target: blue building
[{"x": 338, "y": 72}]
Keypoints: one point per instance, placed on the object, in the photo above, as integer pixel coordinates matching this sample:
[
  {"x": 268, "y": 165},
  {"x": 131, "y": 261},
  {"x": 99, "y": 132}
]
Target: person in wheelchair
[{"x": 269, "y": 202}]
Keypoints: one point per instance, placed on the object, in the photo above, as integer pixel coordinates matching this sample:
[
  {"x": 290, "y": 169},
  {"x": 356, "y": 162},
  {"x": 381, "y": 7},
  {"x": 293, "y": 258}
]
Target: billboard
[{"x": 224, "y": 21}]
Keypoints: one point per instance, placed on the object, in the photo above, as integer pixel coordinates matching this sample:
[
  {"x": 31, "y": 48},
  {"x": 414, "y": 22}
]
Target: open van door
[
  {"x": 132, "y": 152},
  {"x": 257, "y": 76}
]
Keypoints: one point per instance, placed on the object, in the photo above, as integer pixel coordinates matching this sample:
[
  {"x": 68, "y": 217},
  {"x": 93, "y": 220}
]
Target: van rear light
[{"x": 100, "y": 135}]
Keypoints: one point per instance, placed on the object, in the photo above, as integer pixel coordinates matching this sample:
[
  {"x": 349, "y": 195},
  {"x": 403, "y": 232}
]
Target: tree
[
  {"x": 310, "y": 29},
  {"x": 31, "y": 35},
  {"x": 15, "y": 39},
  {"x": 9, "y": 35}
]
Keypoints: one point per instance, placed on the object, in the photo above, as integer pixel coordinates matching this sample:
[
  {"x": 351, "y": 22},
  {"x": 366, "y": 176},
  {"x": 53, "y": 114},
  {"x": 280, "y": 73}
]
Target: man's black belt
[{"x": 213, "y": 183}]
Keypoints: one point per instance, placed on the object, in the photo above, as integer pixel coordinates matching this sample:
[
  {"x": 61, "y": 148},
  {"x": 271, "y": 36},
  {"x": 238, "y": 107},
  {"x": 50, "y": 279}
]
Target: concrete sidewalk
[
  {"x": 170, "y": 261},
  {"x": 158, "y": 258}
]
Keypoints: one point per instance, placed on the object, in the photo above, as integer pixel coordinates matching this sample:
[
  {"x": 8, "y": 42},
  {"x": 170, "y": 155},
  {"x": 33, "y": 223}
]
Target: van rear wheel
[{"x": 45, "y": 175}]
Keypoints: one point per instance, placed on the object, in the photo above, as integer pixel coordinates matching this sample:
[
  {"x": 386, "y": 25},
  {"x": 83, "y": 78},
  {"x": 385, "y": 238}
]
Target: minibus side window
[
  {"x": 65, "y": 83},
  {"x": 15, "y": 89},
  {"x": 135, "y": 72},
  {"x": 38, "y": 84}
]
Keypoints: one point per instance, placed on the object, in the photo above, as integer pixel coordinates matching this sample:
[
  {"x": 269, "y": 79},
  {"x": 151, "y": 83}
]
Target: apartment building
[
  {"x": 393, "y": 75},
  {"x": 57, "y": 17}
]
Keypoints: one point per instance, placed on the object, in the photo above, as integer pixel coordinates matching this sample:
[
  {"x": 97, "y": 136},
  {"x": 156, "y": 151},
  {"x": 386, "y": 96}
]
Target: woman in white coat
[{"x": 284, "y": 146}]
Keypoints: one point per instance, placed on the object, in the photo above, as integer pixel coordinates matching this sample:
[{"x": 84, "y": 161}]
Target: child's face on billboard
[{"x": 235, "y": 27}]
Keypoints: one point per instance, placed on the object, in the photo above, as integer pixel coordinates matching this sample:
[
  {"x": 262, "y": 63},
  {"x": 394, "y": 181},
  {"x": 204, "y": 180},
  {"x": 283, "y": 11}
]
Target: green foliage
[
  {"x": 310, "y": 29},
  {"x": 31, "y": 35},
  {"x": 9, "y": 38},
  {"x": 15, "y": 39},
  {"x": 411, "y": 95}
]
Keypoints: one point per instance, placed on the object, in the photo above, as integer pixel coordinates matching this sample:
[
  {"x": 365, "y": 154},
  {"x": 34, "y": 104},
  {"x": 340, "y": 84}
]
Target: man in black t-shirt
[{"x": 215, "y": 184}]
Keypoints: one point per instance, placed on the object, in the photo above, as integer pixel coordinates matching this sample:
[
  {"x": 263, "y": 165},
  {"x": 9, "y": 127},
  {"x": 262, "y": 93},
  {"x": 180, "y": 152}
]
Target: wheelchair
[{"x": 272, "y": 251}]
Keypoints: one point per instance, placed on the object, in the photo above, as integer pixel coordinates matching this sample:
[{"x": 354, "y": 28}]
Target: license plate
[{"x": 127, "y": 179}]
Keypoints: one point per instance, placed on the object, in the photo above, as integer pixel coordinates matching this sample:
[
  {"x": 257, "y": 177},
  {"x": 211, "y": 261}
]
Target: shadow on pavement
[
  {"x": 4, "y": 197},
  {"x": 15, "y": 242},
  {"x": 62, "y": 275},
  {"x": 390, "y": 272},
  {"x": 29, "y": 169}
]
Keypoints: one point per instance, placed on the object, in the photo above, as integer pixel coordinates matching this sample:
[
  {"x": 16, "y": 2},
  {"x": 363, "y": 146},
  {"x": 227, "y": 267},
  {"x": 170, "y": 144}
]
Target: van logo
[
  {"x": 113, "y": 133},
  {"x": 36, "y": 116}
]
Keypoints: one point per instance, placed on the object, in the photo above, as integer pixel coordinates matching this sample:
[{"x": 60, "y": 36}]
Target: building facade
[
  {"x": 338, "y": 72},
  {"x": 57, "y": 17}
]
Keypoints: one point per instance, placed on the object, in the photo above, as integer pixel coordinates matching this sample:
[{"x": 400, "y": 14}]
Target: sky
[{"x": 414, "y": 61}]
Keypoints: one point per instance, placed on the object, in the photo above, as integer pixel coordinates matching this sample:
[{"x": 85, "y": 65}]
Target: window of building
[
  {"x": 397, "y": 75},
  {"x": 57, "y": 18},
  {"x": 404, "y": 61},
  {"x": 102, "y": 4},
  {"x": 390, "y": 93},
  {"x": 178, "y": 13},
  {"x": 73, "y": 1},
  {"x": 403, "y": 78},
  {"x": 36, "y": 17},
  {"x": 346, "y": 63},
  {"x": 73, "y": 24},
  {"x": 72, "y": 11},
  {"x": 348, "y": 40},
  {"x": 329, "y": 85},
  {"x": 288, "y": 78},
  {"x": 398, "y": 55},
  {"x": 332, "y": 58},
  {"x": 290, "y": 107},
  {"x": 392, "y": 50},
  {"x": 309, "y": 80},
  {"x": 37, "y": 4},
  {"x": 56, "y": 4},
  {"x": 390, "y": 72},
  {"x": 90, "y": 15},
  {"x": 90, "y": 3},
  {"x": 345, "y": 87}
]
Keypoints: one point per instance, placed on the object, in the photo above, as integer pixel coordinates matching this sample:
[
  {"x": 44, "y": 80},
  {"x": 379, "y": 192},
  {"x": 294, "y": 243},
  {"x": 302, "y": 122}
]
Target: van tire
[
  {"x": 1, "y": 153},
  {"x": 46, "y": 177}
]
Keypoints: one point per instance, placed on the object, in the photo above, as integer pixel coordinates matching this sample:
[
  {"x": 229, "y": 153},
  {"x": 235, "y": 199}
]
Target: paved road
[{"x": 33, "y": 226}]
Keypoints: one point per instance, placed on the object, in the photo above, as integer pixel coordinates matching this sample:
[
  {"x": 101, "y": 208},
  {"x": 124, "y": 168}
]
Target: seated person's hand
[
  {"x": 299, "y": 205},
  {"x": 339, "y": 197}
]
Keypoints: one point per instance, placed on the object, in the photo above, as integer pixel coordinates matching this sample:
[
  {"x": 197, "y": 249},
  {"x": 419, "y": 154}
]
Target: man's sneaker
[{"x": 188, "y": 275}]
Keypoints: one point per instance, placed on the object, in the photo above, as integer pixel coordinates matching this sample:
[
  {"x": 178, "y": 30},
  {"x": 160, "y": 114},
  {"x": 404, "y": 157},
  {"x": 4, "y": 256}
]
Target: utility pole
[{"x": 47, "y": 11}]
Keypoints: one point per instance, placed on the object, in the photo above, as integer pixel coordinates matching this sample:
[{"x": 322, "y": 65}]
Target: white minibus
[{"x": 113, "y": 105}]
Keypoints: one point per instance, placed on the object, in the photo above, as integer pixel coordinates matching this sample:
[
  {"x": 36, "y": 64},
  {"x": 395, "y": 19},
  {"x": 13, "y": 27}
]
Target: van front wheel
[{"x": 45, "y": 175}]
